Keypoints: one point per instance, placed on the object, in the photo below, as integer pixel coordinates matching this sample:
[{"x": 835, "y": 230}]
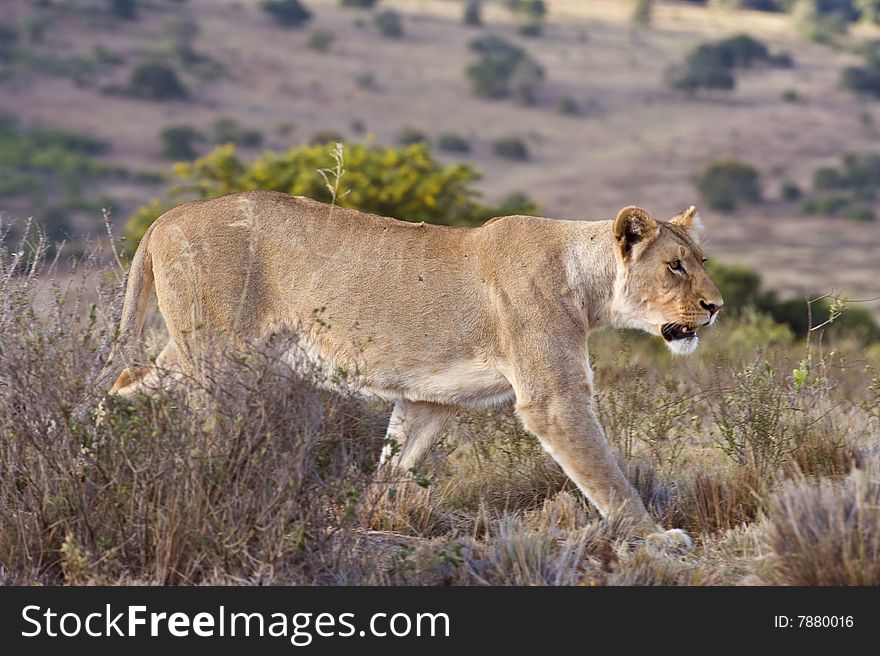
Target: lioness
[{"x": 430, "y": 317}]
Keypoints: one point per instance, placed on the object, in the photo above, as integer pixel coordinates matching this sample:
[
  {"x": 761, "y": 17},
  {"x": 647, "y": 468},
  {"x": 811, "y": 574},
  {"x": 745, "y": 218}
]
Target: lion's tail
[{"x": 138, "y": 290}]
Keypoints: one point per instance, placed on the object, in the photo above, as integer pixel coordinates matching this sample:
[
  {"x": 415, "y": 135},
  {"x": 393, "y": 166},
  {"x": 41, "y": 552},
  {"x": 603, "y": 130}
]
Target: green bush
[
  {"x": 568, "y": 106},
  {"x": 724, "y": 184},
  {"x": 855, "y": 181},
  {"x": 827, "y": 177},
  {"x": 179, "y": 142},
  {"x": 367, "y": 81},
  {"x": 409, "y": 136},
  {"x": 104, "y": 56},
  {"x": 320, "y": 40},
  {"x": 126, "y": 9},
  {"x": 52, "y": 169},
  {"x": 502, "y": 70},
  {"x": 703, "y": 69},
  {"x": 287, "y": 13},
  {"x": 862, "y": 213},
  {"x": 325, "y": 137},
  {"x": 155, "y": 81},
  {"x": 229, "y": 130},
  {"x": 790, "y": 191},
  {"x": 534, "y": 9},
  {"x": 8, "y": 43},
  {"x": 642, "y": 13},
  {"x": 453, "y": 143},
  {"x": 742, "y": 290},
  {"x": 390, "y": 24},
  {"x": 712, "y": 65},
  {"x": 511, "y": 148},
  {"x": 405, "y": 182},
  {"x": 829, "y": 204},
  {"x": 473, "y": 13},
  {"x": 755, "y": 5},
  {"x": 864, "y": 80}
]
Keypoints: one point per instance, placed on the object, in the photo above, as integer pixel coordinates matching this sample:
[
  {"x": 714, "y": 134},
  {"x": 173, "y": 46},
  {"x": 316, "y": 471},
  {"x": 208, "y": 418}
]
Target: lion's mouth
[{"x": 672, "y": 332}]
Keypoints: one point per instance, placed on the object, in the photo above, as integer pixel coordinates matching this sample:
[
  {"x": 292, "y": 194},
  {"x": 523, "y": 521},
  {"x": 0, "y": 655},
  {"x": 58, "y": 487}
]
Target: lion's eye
[
  {"x": 675, "y": 266},
  {"x": 705, "y": 259}
]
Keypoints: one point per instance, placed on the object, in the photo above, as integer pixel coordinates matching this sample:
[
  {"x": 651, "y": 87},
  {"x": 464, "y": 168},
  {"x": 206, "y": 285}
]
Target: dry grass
[
  {"x": 253, "y": 476},
  {"x": 825, "y": 533}
]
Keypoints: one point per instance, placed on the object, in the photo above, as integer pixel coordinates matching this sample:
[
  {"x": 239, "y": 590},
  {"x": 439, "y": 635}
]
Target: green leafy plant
[{"x": 725, "y": 184}]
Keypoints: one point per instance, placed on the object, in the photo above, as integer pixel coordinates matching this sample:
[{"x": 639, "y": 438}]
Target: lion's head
[{"x": 662, "y": 286}]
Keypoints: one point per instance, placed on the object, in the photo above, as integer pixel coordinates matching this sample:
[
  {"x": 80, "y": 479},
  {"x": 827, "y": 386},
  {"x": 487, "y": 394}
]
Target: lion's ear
[
  {"x": 689, "y": 220},
  {"x": 634, "y": 227}
]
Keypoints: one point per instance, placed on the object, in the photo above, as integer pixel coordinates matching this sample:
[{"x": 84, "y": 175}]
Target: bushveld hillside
[{"x": 597, "y": 127}]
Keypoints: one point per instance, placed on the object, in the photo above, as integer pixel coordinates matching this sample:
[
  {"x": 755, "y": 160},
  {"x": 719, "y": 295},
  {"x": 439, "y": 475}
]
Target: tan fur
[{"x": 427, "y": 316}]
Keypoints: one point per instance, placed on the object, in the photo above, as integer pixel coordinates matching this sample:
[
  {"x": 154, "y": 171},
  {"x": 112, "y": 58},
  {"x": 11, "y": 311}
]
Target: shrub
[
  {"x": 790, "y": 191},
  {"x": 410, "y": 135},
  {"x": 829, "y": 204},
  {"x": 51, "y": 168},
  {"x": 104, "y": 56},
  {"x": 823, "y": 21},
  {"x": 320, "y": 40},
  {"x": 712, "y": 65},
  {"x": 741, "y": 289},
  {"x": 228, "y": 130},
  {"x": 856, "y": 181},
  {"x": 322, "y": 137},
  {"x": 724, "y": 184},
  {"x": 862, "y": 213},
  {"x": 8, "y": 43},
  {"x": 568, "y": 106},
  {"x": 361, "y": 4},
  {"x": 755, "y": 5},
  {"x": 702, "y": 70},
  {"x": 825, "y": 533},
  {"x": 503, "y": 69},
  {"x": 287, "y": 13},
  {"x": 642, "y": 12},
  {"x": 511, "y": 148},
  {"x": 250, "y": 453},
  {"x": 404, "y": 182},
  {"x": 861, "y": 171},
  {"x": 390, "y": 24},
  {"x": 179, "y": 142},
  {"x": 534, "y": 9},
  {"x": 367, "y": 81},
  {"x": 453, "y": 143},
  {"x": 125, "y": 9},
  {"x": 827, "y": 177},
  {"x": 473, "y": 13},
  {"x": 155, "y": 81},
  {"x": 862, "y": 80},
  {"x": 513, "y": 204},
  {"x": 531, "y": 28}
]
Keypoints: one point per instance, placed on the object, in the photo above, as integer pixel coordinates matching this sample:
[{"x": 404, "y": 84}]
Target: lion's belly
[{"x": 468, "y": 382}]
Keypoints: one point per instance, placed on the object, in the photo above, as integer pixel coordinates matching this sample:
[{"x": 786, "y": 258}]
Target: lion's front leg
[
  {"x": 570, "y": 432},
  {"x": 557, "y": 407}
]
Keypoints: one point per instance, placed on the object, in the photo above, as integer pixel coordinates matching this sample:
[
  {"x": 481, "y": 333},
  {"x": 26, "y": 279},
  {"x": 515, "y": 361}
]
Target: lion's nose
[{"x": 711, "y": 308}]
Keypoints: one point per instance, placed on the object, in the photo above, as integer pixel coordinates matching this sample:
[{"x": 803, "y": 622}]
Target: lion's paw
[{"x": 674, "y": 538}]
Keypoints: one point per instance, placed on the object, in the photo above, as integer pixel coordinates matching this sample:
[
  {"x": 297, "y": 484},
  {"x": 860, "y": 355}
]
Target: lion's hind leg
[
  {"x": 414, "y": 428},
  {"x": 153, "y": 378}
]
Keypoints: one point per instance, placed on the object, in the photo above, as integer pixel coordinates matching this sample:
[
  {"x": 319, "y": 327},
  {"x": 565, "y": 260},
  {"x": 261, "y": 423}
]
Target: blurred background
[{"x": 763, "y": 113}]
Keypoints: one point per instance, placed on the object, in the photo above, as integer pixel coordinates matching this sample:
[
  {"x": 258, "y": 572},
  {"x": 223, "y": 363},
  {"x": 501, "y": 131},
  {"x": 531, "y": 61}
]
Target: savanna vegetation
[{"x": 763, "y": 445}]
